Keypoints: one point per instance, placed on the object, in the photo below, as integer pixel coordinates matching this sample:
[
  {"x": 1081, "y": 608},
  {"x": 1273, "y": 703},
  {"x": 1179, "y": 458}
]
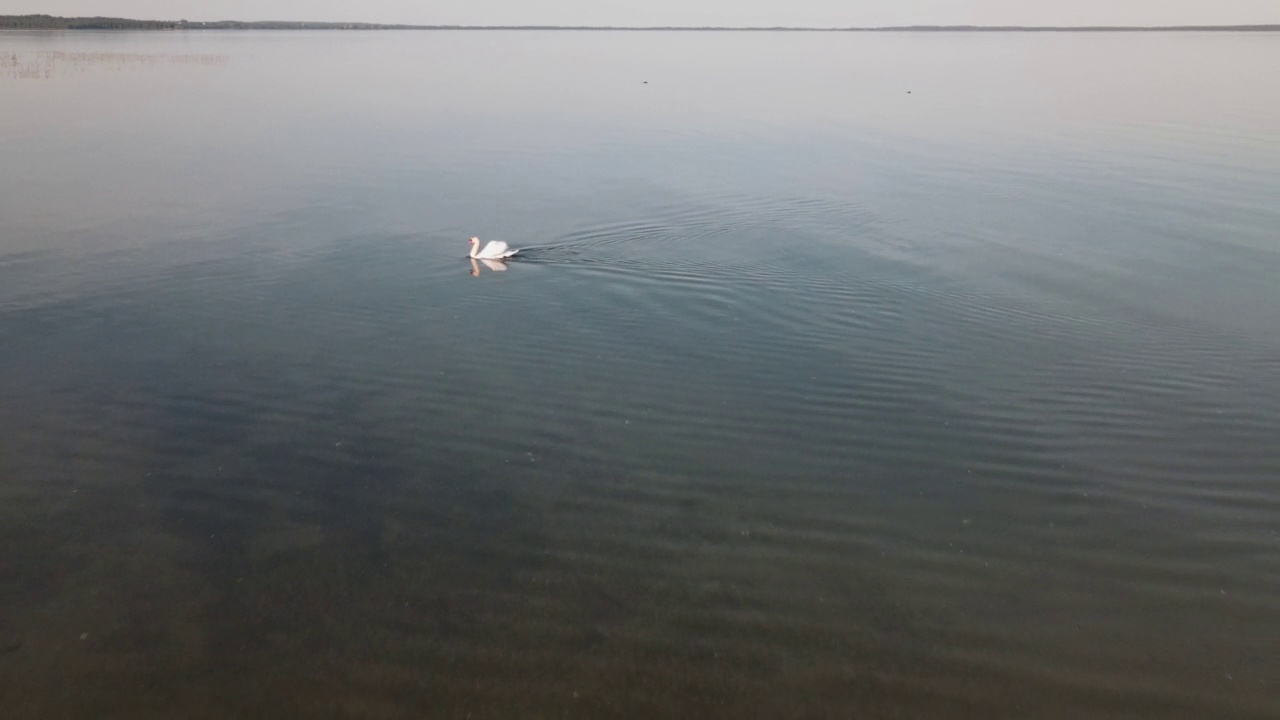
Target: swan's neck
[{"x": 475, "y": 249}]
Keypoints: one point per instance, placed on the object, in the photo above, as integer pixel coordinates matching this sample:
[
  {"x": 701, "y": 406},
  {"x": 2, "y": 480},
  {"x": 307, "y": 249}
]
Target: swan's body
[{"x": 494, "y": 250}]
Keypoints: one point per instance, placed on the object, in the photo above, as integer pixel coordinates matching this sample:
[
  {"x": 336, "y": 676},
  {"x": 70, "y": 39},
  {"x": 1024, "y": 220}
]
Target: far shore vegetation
[{"x": 51, "y": 22}]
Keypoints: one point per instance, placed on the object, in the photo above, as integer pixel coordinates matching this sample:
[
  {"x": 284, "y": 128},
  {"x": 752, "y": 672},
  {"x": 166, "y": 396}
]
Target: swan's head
[{"x": 474, "y": 241}]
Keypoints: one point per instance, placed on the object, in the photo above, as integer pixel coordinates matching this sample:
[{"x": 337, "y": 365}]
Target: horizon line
[{"x": 353, "y": 25}]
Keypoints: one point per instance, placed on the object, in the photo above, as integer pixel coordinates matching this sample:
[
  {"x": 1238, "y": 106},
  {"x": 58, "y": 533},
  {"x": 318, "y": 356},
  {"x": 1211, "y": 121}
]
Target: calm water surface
[{"x": 844, "y": 375}]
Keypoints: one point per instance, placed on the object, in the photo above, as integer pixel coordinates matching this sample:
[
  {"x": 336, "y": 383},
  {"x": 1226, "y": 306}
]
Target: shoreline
[{"x": 50, "y": 22}]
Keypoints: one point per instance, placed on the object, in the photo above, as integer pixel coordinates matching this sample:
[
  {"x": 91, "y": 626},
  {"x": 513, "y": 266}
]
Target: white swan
[{"x": 494, "y": 250}]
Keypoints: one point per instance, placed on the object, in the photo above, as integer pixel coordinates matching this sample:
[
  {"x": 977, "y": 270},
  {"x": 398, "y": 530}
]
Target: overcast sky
[{"x": 682, "y": 12}]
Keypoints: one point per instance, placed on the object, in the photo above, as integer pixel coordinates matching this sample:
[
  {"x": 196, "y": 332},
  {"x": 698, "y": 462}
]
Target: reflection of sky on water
[{"x": 809, "y": 393}]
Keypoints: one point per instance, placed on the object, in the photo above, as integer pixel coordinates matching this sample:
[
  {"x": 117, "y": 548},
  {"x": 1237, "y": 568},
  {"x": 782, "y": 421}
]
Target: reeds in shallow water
[{"x": 50, "y": 64}]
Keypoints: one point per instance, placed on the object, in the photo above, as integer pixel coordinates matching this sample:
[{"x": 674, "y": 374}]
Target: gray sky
[{"x": 682, "y": 12}]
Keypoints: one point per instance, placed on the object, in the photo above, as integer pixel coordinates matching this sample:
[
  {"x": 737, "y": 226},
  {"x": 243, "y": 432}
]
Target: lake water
[{"x": 844, "y": 375}]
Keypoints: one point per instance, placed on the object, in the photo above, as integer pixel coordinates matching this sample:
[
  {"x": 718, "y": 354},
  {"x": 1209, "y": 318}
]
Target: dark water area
[{"x": 840, "y": 376}]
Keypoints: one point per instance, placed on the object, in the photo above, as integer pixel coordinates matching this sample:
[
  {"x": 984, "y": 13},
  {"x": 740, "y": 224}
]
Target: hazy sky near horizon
[{"x": 821, "y": 13}]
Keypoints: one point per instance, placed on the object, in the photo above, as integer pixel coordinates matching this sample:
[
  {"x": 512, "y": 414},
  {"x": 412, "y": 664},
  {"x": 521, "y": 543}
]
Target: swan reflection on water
[{"x": 494, "y": 265}]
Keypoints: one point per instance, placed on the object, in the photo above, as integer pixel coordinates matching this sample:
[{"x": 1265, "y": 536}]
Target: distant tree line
[{"x": 50, "y": 22}]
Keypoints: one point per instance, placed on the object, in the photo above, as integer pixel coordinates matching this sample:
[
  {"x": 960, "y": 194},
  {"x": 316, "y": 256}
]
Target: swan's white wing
[{"x": 495, "y": 249}]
